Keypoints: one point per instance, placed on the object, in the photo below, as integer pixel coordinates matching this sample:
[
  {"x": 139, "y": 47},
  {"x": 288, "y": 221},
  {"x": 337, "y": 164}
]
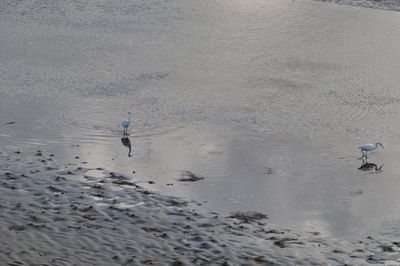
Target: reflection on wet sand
[
  {"x": 366, "y": 166},
  {"x": 127, "y": 143}
]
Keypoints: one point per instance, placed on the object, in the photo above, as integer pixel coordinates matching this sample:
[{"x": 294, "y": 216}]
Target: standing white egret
[
  {"x": 368, "y": 147},
  {"x": 126, "y": 123}
]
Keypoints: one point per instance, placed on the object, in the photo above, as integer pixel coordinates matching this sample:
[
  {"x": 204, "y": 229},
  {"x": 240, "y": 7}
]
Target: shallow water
[{"x": 267, "y": 100}]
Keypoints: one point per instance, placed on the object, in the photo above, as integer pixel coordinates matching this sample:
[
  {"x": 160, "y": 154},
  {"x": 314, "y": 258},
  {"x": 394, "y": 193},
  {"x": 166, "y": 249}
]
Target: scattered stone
[
  {"x": 89, "y": 217},
  {"x": 260, "y": 260},
  {"x": 176, "y": 263},
  {"x": 187, "y": 176},
  {"x": 85, "y": 209},
  {"x": 357, "y": 192},
  {"x": 8, "y": 176},
  {"x": 151, "y": 230},
  {"x": 98, "y": 187},
  {"x": 17, "y": 228},
  {"x": 148, "y": 262},
  {"x": 56, "y": 190},
  {"x": 387, "y": 247},
  {"x": 273, "y": 231},
  {"x": 250, "y": 216},
  {"x": 281, "y": 243},
  {"x": 269, "y": 171},
  {"x": 123, "y": 183},
  {"x": 60, "y": 178},
  {"x": 338, "y": 251}
]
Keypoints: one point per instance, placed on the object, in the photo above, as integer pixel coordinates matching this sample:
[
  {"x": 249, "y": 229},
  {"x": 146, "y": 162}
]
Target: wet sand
[
  {"x": 57, "y": 214},
  {"x": 391, "y": 5}
]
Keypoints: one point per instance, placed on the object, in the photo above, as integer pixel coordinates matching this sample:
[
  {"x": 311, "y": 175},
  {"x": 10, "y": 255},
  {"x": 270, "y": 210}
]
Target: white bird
[
  {"x": 368, "y": 147},
  {"x": 126, "y": 123}
]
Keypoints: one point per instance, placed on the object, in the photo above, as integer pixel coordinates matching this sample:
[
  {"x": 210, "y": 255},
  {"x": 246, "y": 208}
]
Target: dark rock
[
  {"x": 56, "y": 190},
  {"x": 187, "y": 176},
  {"x": 123, "y": 182},
  {"x": 250, "y": 216},
  {"x": 281, "y": 243}
]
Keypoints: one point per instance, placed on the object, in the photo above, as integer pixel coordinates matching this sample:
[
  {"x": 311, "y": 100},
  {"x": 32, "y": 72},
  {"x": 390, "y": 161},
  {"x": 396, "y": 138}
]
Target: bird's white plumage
[
  {"x": 126, "y": 123},
  {"x": 368, "y": 147},
  {"x": 365, "y": 148}
]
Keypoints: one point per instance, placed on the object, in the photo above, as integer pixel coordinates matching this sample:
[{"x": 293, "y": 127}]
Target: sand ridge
[{"x": 393, "y": 5}]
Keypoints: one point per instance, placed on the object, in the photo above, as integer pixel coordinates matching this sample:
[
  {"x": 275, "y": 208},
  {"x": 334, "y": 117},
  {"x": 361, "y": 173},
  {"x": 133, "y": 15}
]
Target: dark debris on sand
[
  {"x": 250, "y": 216},
  {"x": 187, "y": 176}
]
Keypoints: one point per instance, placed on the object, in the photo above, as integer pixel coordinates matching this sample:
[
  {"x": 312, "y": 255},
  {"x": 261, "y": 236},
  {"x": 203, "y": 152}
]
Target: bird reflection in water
[
  {"x": 127, "y": 143},
  {"x": 366, "y": 166}
]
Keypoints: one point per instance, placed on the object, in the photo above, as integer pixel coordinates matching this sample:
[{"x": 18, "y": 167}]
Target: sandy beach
[{"x": 56, "y": 214}]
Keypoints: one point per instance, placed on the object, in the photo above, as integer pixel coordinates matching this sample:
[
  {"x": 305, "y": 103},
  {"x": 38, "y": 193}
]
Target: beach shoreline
[
  {"x": 249, "y": 106},
  {"x": 389, "y": 5},
  {"x": 71, "y": 215}
]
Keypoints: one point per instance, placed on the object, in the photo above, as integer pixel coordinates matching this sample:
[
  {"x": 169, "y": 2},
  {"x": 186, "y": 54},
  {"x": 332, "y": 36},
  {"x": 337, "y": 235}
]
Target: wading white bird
[
  {"x": 365, "y": 148},
  {"x": 126, "y": 123}
]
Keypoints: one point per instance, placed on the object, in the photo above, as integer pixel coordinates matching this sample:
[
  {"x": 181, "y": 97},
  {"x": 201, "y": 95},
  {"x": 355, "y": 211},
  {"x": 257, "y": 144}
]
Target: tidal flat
[
  {"x": 57, "y": 214},
  {"x": 237, "y": 106}
]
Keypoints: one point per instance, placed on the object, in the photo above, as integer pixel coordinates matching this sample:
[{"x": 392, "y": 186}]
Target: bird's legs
[{"x": 364, "y": 155}]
